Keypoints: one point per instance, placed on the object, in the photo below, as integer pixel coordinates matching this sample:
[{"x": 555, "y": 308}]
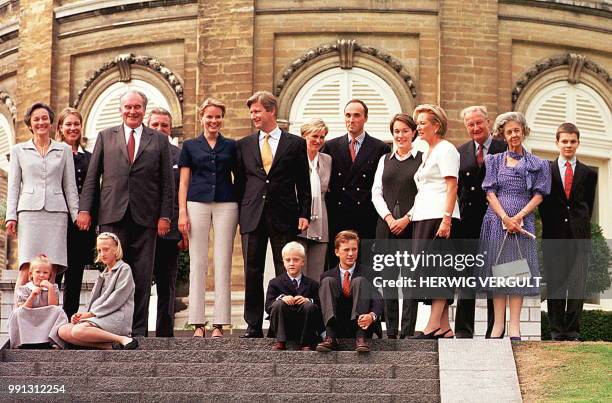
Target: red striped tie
[
  {"x": 569, "y": 178},
  {"x": 346, "y": 284}
]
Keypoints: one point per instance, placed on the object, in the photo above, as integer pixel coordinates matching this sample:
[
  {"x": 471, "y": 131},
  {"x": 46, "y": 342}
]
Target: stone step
[
  {"x": 238, "y": 370},
  {"x": 223, "y": 397},
  {"x": 419, "y": 358},
  {"x": 218, "y": 384},
  {"x": 227, "y": 343}
]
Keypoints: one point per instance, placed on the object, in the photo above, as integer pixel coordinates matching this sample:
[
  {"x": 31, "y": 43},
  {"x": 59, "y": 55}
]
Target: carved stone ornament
[
  {"x": 576, "y": 64},
  {"x": 10, "y": 105},
  {"x": 346, "y": 48},
  {"x": 123, "y": 63}
]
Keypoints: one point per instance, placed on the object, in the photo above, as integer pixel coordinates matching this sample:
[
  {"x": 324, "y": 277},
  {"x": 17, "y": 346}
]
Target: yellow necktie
[{"x": 266, "y": 153}]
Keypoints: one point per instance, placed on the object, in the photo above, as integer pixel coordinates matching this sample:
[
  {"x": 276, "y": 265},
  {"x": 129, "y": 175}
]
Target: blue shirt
[{"x": 211, "y": 169}]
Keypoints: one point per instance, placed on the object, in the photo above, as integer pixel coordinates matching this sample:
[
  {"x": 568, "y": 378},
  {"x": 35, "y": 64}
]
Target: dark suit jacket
[
  {"x": 472, "y": 199},
  {"x": 349, "y": 200},
  {"x": 146, "y": 186},
  {"x": 376, "y": 303},
  {"x": 174, "y": 233},
  {"x": 282, "y": 285},
  {"x": 563, "y": 218},
  {"x": 285, "y": 190}
]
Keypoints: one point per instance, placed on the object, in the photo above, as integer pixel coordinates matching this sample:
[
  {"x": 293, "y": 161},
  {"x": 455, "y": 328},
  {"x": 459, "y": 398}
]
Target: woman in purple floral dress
[{"x": 515, "y": 183}]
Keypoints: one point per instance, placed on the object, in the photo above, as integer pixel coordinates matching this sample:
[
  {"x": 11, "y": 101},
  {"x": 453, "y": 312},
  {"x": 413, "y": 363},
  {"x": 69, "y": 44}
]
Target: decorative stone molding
[
  {"x": 10, "y": 105},
  {"x": 346, "y": 50},
  {"x": 576, "y": 65},
  {"x": 124, "y": 63}
]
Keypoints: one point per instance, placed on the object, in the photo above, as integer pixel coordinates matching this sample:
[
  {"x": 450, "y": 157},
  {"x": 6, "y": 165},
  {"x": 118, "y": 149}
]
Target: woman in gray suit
[
  {"x": 41, "y": 193},
  {"x": 315, "y": 238}
]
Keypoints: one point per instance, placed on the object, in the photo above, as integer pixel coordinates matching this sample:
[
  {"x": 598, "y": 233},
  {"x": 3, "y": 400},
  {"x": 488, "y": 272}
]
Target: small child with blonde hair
[
  {"x": 35, "y": 321},
  {"x": 107, "y": 323}
]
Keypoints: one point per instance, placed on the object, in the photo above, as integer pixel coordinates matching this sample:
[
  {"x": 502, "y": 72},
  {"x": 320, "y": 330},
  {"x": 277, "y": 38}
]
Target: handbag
[{"x": 515, "y": 269}]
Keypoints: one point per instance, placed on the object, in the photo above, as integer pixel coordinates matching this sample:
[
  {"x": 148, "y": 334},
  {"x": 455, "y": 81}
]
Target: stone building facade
[{"x": 548, "y": 59}]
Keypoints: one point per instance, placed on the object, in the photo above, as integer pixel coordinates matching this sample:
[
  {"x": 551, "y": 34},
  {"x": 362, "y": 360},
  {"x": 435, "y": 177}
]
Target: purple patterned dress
[{"x": 514, "y": 187}]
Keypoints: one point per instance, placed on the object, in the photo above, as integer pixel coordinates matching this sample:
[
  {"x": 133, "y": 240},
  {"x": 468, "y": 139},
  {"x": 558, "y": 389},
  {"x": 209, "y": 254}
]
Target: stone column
[
  {"x": 468, "y": 58},
  {"x": 35, "y": 61},
  {"x": 225, "y": 58}
]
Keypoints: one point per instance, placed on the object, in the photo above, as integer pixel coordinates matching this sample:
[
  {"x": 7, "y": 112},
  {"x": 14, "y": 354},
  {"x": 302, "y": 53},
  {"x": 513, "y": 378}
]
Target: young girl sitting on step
[
  {"x": 107, "y": 323},
  {"x": 34, "y": 323}
]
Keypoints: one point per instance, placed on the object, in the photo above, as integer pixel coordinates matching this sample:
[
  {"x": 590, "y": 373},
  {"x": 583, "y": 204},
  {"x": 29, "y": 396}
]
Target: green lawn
[{"x": 565, "y": 372}]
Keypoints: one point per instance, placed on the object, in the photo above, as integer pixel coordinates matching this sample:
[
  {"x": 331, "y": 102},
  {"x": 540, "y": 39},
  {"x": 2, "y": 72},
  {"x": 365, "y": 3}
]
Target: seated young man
[
  {"x": 292, "y": 301},
  {"x": 349, "y": 302}
]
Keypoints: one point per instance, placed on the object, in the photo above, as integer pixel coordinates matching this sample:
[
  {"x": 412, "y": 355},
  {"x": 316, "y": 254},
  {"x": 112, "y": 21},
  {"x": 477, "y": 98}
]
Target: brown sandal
[
  {"x": 200, "y": 331},
  {"x": 217, "y": 331}
]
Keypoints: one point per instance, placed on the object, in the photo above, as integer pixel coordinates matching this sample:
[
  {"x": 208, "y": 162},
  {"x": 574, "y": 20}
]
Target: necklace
[{"x": 42, "y": 150}]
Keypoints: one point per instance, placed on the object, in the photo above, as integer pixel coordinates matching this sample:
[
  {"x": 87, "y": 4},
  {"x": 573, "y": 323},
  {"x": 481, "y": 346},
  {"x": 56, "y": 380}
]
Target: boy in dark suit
[
  {"x": 350, "y": 304},
  {"x": 292, "y": 301},
  {"x": 566, "y": 229}
]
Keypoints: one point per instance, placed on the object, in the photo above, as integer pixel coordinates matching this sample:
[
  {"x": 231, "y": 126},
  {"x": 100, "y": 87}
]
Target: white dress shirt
[
  {"x": 137, "y": 135},
  {"x": 359, "y": 139},
  {"x": 561, "y": 162},
  {"x": 273, "y": 140}
]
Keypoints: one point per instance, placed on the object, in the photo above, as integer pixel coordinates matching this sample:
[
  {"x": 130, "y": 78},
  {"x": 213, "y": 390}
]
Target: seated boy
[{"x": 292, "y": 301}]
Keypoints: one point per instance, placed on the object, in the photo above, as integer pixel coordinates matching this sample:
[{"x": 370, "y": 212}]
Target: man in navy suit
[
  {"x": 292, "y": 301},
  {"x": 350, "y": 304},
  {"x": 566, "y": 231},
  {"x": 273, "y": 186},
  {"x": 168, "y": 246},
  {"x": 473, "y": 204},
  {"x": 355, "y": 157}
]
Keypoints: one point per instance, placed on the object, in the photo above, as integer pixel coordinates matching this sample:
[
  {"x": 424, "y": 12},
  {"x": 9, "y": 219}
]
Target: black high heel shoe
[
  {"x": 426, "y": 336},
  {"x": 441, "y": 335}
]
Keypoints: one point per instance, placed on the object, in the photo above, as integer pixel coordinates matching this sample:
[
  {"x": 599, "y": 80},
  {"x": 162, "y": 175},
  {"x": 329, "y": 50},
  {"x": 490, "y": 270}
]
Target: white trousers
[{"x": 224, "y": 220}]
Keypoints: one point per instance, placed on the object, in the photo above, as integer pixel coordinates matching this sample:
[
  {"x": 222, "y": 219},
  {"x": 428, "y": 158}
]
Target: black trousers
[
  {"x": 81, "y": 245},
  {"x": 138, "y": 244},
  {"x": 254, "y": 245},
  {"x": 165, "y": 271},
  {"x": 340, "y": 313},
  {"x": 295, "y": 322},
  {"x": 565, "y": 267}
]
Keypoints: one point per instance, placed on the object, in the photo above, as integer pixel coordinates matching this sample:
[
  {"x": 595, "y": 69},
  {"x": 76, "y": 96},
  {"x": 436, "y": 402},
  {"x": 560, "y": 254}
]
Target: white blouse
[{"x": 430, "y": 201}]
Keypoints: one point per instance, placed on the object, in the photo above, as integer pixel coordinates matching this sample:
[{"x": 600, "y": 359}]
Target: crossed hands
[
  {"x": 77, "y": 317},
  {"x": 365, "y": 320},
  {"x": 397, "y": 226},
  {"x": 291, "y": 300}
]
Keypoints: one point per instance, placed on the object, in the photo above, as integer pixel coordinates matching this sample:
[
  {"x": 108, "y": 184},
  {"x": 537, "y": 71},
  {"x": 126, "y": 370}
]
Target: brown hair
[
  {"x": 437, "y": 116},
  {"x": 59, "y": 135},
  {"x": 27, "y": 118},
  {"x": 266, "y": 99},
  {"x": 568, "y": 128},
  {"x": 360, "y": 102},
  {"x": 404, "y": 118},
  {"x": 345, "y": 236},
  {"x": 211, "y": 102}
]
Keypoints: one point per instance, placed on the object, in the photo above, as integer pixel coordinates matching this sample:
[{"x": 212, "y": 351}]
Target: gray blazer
[
  {"x": 324, "y": 171},
  {"x": 36, "y": 183},
  {"x": 146, "y": 186},
  {"x": 112, "y": 300}
]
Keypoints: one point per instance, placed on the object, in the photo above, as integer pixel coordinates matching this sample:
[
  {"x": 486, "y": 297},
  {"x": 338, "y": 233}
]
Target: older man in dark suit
[
  {"x": 566, "y": 231},
  {"x": 135, "y": 194},
  {"x": 273, "y": 186},
  {"x": 354, "y": 161},
  {"x": 473, "y": 203}
]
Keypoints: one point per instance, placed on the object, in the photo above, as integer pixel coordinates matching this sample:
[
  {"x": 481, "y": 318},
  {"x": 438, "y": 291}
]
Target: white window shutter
[
  {"x": 6, "y": 141},
  {"x": 325, "y": 95}
]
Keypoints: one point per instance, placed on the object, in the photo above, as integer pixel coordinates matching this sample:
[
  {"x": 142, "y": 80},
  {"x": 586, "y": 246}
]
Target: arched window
[
  {"x": 325, "y": 95},
  {"x": 6, "y": 141},
  {"x": 105, "y": 111},
  {"x": 564, "y": 102}
]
